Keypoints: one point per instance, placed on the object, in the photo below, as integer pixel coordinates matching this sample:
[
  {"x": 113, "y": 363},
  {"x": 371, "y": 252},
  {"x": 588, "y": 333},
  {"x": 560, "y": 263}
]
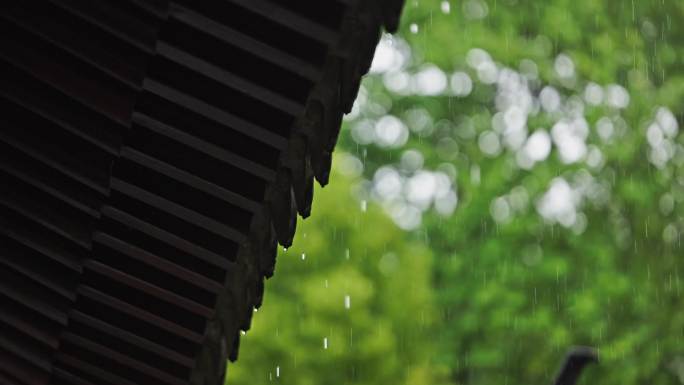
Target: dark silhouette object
[
  {"x": 153, "y": 153},
  {"x": 575, "y": 361}
]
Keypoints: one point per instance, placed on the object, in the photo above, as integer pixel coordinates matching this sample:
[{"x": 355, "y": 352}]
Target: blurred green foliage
[{"x": 496, "y": 291}]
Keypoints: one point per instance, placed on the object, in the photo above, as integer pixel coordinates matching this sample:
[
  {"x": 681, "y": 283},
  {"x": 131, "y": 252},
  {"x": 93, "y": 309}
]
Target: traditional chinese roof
[{"x": 152, "y": 155}]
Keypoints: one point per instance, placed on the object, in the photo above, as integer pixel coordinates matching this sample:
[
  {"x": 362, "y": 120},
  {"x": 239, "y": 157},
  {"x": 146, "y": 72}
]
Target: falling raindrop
[
  {"x": 303, "y": 256},
  {"x": 325, "y": 343},
  {"x": 475, "y": 175},
  {"x": 347, "y": 302}
]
